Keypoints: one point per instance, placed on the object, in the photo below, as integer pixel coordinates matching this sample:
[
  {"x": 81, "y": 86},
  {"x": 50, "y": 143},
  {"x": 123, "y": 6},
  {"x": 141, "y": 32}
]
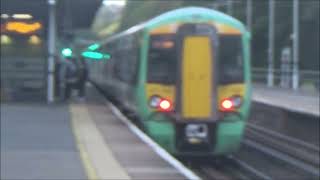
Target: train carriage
[{"x": 185, "y": 75}]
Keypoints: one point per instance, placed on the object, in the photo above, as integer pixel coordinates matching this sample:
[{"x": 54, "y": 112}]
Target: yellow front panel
[{"x": 196, "y": 77}]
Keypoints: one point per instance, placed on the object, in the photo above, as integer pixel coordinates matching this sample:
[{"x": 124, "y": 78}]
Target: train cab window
[
  {"x": 230, "y": 59},
  {"x": 162, "y": 63}
]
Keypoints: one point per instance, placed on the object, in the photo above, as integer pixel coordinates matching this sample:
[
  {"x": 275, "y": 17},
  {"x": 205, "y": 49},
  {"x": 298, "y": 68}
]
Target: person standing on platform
[
  {"x": 68, "y": 77},
  {"x": 83, "y": 76},
  {"x": 285, "y": 67}
]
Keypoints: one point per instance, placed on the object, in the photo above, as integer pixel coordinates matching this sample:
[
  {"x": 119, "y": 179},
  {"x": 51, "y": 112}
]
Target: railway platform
[
  {"x": 295, "y": 101},
  {"x": 79, "y": 140},
  {"x": 37, "y": 143}
]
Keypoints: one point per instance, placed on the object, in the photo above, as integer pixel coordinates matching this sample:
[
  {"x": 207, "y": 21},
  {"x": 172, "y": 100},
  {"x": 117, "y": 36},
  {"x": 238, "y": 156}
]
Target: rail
[
  {"x": 225, "y": 168},
  {"x": 292, "y": 151}
]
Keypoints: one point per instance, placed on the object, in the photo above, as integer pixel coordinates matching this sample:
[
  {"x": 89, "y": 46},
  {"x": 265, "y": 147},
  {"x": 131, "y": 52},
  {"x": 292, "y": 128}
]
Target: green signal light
[
  {"x": 95, "y": 55},
  {"x": 67, "y": 52},
  {"x": 94, "y": 47},
  {"x": 106, "y": 56},
  {"x": 92, "y": 55}
]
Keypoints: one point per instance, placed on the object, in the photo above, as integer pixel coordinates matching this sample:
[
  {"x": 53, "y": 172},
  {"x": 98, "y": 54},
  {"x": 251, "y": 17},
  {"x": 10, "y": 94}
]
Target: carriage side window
[
  {"x": 117, "y": 62},
  {"x": 105, "y": 49},
  {"x": 162, "y": 60},
  {"x": 134, "y": 54},
  {"x": 110, "y": 63},
  {"x": 230, "y": 59},
  {"x": 128, "y": 59}
]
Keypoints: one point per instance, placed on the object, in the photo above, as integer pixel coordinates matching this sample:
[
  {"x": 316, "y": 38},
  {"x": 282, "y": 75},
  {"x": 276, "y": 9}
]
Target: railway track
[
  {"x": 297, "y": 155},
  {"x": 226, "y": 169},
  {"x": 266, "y": 155},
  {"x": 302, "y": 151},
  {"x": 209, "y": 172}
]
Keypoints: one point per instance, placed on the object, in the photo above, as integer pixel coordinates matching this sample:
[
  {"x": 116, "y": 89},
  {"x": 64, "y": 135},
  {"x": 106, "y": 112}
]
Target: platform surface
[
  {"x": 288, "y": 99},
  {"x": 77, "y": 140},
  {"x": 136, "y": 157},
  {"x": 37, "y": 143}
]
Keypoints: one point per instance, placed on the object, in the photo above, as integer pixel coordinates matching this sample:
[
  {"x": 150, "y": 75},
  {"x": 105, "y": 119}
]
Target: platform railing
[{"x": 309, "y": 79}]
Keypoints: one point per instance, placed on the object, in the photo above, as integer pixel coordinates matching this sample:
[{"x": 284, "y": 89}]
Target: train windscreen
[
  {"x": 231, "y": 59},
  {"x": 162, "y": 61}
]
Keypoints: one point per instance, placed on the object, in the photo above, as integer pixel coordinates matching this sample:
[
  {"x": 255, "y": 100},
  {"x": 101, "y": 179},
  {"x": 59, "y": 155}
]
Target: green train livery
[{"x": 185, "y": 75}]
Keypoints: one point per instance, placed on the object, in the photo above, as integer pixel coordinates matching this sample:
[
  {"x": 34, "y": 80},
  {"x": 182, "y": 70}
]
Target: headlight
[
  {"x": 229, "y": 104},
  {"x": 154, "y": 101},
  {"x": 160, "y": 103},
  {"x": 237, "y": 101}
]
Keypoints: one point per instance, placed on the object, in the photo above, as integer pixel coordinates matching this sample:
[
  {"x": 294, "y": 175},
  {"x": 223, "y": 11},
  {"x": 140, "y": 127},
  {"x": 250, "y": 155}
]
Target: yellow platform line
[
  {"x": 96, "y": 155},
  {"x": 87, "y": 164}
]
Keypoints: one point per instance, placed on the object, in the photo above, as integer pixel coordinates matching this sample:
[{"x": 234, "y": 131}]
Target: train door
[{"x": 197, "y": 88}]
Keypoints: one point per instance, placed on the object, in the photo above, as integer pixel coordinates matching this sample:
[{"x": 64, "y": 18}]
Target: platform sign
[
  {"x": 93, "y": 47},
  {"x": 21, "y": 27},
  {"x": 95, "y": 55}
]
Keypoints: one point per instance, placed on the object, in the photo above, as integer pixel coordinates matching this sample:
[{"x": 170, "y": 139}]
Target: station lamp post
[
  {"x": 230, "y": 7},
  {"x": 51, "y": 50},
  {"x": 249, "y": 15},
  {"x": 295, "y": 73},
  {"x": 270, "y": 77},
  {"x": 249, "y": 21}
]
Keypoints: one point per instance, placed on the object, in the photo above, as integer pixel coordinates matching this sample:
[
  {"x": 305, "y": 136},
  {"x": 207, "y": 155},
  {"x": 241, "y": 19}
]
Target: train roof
[
  {"x": 187, "y": 13},
  {"x": 183, "y": 14}
]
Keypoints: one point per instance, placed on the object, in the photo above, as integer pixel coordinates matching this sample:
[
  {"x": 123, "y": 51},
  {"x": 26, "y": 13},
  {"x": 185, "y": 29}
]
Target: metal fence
[
  {"x": 308, "y": 79},
  {"x": 274, "y": 26}
]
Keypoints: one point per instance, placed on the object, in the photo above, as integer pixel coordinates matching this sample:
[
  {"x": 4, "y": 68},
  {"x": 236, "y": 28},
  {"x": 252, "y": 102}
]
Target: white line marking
[
  {"x": 99, "y": 152},
  {"x": 159, "y": 150}
]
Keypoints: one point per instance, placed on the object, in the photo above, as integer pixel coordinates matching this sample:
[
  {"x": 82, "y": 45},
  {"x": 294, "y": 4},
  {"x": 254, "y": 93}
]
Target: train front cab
[
  {"x": 196, "y": 107},
  {"x": 198, "y": 68}
]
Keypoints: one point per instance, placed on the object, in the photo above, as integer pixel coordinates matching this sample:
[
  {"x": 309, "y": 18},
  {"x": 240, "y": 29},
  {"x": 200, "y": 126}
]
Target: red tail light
[
  {"x": 231, "y": 104},
  {"x": 227, "y": 104},
  {"x": 159, "y": 103},
  {"x": 165, "y": 105}
]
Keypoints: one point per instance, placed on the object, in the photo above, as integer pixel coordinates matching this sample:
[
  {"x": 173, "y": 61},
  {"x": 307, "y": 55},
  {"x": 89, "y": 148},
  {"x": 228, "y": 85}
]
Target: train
[{"x": 185, "y": 76}]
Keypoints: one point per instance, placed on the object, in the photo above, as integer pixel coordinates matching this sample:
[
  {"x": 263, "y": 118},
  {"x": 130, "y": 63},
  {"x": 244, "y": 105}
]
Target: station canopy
[{"x": 70, "y": 14}]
